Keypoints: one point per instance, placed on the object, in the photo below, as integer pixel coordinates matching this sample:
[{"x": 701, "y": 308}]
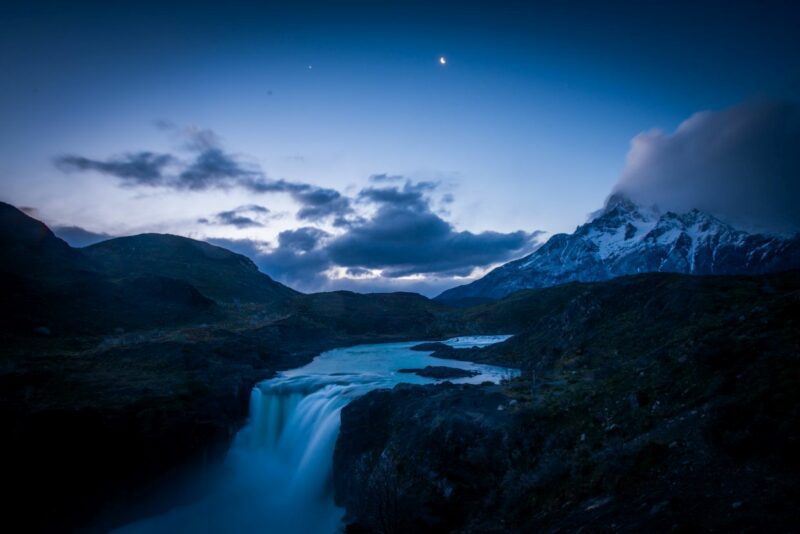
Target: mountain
[
  {"x": 29, "y": 248},
  {"x": 145, "y": 281},
  {"x": 628, "y": 239},
  {"x": 216, "y": 272}
]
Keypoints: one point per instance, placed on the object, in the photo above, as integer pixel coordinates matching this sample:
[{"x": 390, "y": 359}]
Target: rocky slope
[
  {"x": 648, "y": 403},
  {"x": 628, "y": 239}
]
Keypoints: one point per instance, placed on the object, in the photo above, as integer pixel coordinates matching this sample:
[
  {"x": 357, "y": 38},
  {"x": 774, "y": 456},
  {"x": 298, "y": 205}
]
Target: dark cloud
[
  {"x": 742, "y": 163},
  {"x": 302, "y": 240},
  {"x": 209, "y": 167},
  {"x": 249, "y": 216},
  {"x": 212, "y": 168},
  {"x": 135, "y": 168},
  {"x": 396, "y": 234},
  {"x": 200, "y": 139},
  {"x": 299, "y": 260},
  {"x": 255, "y": 208},
  {"x": 411, "y": 196},
  {"x": 403, "y": 237},
  {"x": 402, "y": 241},
  {"x": 79, "y": 237},
  {"x": 316, "y": 203}
]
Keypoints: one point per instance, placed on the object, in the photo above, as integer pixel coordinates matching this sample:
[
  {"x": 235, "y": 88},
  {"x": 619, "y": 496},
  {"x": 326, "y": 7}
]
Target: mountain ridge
[
  {"x": 144, "y": 281},
  {"x": 216, "y": 272},
  {"x": 628, "y": 239}
]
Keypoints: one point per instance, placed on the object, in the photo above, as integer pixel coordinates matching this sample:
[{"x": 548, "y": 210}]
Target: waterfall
[
  {"x": 278, "y": 474},
  {"x": 294, "y": 421}
]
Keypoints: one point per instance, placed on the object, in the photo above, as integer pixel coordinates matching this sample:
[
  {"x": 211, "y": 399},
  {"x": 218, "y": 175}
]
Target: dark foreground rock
[
  {"x": 440, "y": 372},
  {"x": 417, "y": 457},
  {"x": 675, "y": 408}
]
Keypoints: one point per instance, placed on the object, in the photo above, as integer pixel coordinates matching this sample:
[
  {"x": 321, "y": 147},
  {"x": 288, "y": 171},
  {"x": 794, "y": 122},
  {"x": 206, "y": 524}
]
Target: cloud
[
  {"x": 405, "y": 237},
  {"x": 212, "y": 168},
  {"x": 387, "y": 233},
  {"x": 741, "y": 163},
  {"x": 134, "y": 168},
  {"x": 79, "y": 237},
  {"x": 209, "y": 167},
  {"x": 316, "y": 203},
  {"x": 249, "y": 216},
  {"x": 401, "y": 241},
  {"x": 402, "y": 238},
  {"x": 411, "y": 196},
  {"x": 299, "y": 259},
  {"x": 303, "y": 239}
]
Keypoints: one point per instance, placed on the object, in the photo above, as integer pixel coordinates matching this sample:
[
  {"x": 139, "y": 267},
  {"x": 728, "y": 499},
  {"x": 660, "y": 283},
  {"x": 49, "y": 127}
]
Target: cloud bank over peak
[{"x": 740, "y": 163}]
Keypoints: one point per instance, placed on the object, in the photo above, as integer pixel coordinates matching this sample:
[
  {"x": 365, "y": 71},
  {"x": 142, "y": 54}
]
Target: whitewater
[{"x": 277, "y": 476}]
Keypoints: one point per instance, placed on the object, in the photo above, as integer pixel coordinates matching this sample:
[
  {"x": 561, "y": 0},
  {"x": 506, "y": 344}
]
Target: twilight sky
[{"x": 330, "y": 145}]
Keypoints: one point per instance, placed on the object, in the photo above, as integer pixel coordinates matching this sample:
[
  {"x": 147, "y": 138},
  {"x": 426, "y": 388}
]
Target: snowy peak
[
  {"x": 620, "y": 203},
  {"x": 624, "y": 238}
]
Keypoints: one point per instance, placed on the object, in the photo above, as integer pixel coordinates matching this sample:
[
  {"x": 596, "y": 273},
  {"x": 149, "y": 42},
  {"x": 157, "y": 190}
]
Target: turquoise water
[{"x": 278, "y": 472}]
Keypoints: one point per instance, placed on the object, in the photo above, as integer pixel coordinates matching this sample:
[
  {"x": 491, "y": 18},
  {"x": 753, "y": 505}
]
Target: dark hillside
[
  {"x": 648, "y": 403},
  {"x": 217, "y": 273}
]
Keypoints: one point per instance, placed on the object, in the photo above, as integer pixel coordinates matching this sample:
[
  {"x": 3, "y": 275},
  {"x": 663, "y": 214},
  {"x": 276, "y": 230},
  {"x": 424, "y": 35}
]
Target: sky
[{"x": 331, "y": 145}]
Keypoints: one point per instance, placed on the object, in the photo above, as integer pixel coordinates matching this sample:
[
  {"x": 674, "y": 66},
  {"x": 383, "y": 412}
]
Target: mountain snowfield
[{"x": 629, "y": 239}]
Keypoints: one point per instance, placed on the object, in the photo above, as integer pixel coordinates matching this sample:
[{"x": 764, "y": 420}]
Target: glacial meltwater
[{"x": 277, "y": 477}]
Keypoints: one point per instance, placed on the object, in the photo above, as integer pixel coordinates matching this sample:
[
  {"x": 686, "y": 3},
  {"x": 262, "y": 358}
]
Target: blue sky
[{"x": 525, "y": 129}]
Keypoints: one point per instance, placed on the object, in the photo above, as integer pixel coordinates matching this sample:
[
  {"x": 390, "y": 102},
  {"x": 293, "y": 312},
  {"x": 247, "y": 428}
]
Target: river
[{"x": 277, "y": 476}]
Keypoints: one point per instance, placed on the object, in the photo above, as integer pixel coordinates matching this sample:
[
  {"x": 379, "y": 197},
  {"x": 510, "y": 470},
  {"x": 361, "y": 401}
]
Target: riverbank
[{"x": 676, "y": 407}]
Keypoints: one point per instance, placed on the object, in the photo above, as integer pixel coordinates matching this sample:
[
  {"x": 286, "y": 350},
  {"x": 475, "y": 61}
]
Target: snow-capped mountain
[{"x": 628, "y": 239}]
